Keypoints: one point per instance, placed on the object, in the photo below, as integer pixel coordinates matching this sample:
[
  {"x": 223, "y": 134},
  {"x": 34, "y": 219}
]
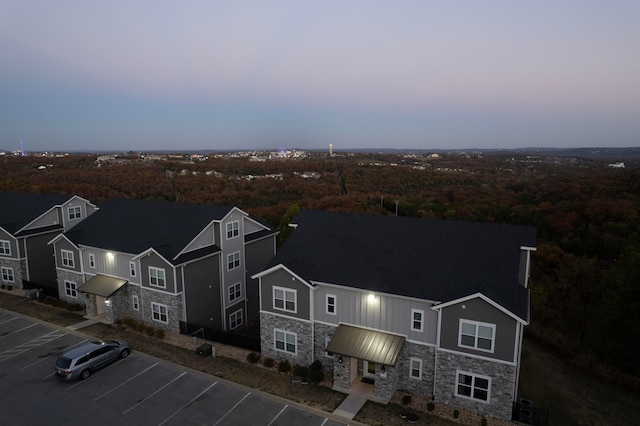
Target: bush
[
  {"x": 456, "y": 414},
  {"x": 406, "y": 399},
  {"x": 151, "y": 331},
  {"x": 316, "y": 376},
  {"x": 483, "y": 422},
  {"x": 302, "y": 372},
  {"x": 3, "y": 286},
  {"x": 253, "y": 357},
  {"x": 284, "y": 366},
  {"x": 431, "y": 406},
  {"x": 160, "y": 333},
  {"x": 315, "y": 365},
  {"x": 268, "y": 362}
]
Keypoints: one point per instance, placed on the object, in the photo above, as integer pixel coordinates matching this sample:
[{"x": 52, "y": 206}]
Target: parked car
[{"x": 84, "y": 360}]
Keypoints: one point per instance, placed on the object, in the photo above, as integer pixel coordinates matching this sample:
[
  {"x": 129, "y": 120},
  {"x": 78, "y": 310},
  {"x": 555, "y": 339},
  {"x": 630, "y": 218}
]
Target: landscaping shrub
[
  {"x": 151, "y": 331},
  {"x": 406, "y": 399},
  {"x": 302, "y": 372},
  {"x": 483, "y": 422},
  {"x": 160, "y": 333},
  {"x": 284, "y": 366},
  {"x": 253, "y": 357},
  {"x": 456, "y": 414},
  {"x": 431, "y": 406},
  {"x": 268, "y": 362}
]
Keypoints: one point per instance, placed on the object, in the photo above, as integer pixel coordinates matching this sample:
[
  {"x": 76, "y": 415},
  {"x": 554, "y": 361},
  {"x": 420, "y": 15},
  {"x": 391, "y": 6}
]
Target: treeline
[{"x": 585, "y": 283}]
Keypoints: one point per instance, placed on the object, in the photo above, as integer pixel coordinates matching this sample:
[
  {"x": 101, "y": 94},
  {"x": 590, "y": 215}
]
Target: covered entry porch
[
  {"x": 365, "y": 362},
  {"x": 103, "y": 300}
]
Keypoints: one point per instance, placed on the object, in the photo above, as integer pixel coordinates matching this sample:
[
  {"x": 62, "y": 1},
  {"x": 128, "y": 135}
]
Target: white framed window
[
  {"x": 233, "y": 229},
  {"x": 70, "y": 289},
  {"x": 233, "y": 261},
  {"x": 5, "y": 247},
  {"x": 235, "y": 291},
  {"x": 132, "y": 269},
  {"x": 284, "y": 299},
  {"x": 415, "y": 368},
  {"x": 285, "y": 341},
  {"x": 92, "y": 260},
  {"x": 159, "y": 312},
  {"x": 74, "y": 213},
  {"x": 476, "y": 335},
  {"x": 235, "y": 319},
  {"x": 326, "y": 345},
  {"x": 331, "y": 304},
  {"x": 67, "y": 258},
  {"x": 7, "y": 275},
  {"x": 135, "y": 302},
  {"x": 417, "y": 320},
  {"x": 473, "y": 386},
  {"x": 157, "y": 277}
]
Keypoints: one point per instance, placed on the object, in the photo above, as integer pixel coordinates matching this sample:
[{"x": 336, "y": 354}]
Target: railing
[
  {"x": 228, "y": 338},
  {"x": 525, "y": 412}
]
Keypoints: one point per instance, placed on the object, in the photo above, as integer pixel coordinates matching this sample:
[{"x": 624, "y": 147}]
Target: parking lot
[{"x": 139, "y": 389}]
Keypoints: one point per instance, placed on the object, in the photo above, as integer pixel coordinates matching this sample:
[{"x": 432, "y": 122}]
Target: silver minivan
[{"x": 84, "y": 360}]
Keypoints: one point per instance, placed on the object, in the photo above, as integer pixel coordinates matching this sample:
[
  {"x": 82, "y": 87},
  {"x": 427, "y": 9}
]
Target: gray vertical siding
[
  {"x": 479, "y": 310},
  {"x": 117, "y": 266},
  {"x": 389, "y": 313},
  {"x": 202, "y": 292},
  {"x": 156, "y": 261},
  {"x": 41, "y": 265},
  {"x": 64, "y": 244},
  {"x": 258, "y": 253}
]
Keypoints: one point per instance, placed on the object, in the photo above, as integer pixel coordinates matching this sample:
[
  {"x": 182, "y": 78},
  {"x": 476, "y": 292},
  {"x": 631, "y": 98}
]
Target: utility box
[{"x": 205, "y": 350}]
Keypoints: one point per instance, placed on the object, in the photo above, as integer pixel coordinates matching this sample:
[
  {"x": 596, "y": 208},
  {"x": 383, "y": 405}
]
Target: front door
[{"x": 369, "y": 369}]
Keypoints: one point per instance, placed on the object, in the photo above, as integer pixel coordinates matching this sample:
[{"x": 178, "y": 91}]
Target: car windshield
[{"x": 63, "y": 362}]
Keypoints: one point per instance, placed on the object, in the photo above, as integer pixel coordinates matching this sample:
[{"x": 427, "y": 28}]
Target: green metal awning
[
  {"x": 372, "y": 346},
  {"x": 102, "y": 285}
]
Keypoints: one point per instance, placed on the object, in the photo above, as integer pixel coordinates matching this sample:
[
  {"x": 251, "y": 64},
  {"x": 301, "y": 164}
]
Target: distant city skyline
[{"x": 212, "y": 75}]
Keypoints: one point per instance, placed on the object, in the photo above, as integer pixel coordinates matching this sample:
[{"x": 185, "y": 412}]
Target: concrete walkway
[
  {"x": 83, "y": 324},
  {"x": 350, "y": 406}
]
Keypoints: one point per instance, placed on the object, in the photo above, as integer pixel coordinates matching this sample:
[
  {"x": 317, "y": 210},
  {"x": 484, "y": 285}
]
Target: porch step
[{"x": 350, "y": 406}]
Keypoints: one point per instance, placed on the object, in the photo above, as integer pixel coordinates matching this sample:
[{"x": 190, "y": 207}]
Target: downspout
[
  {"x": 313, "y": 328},
  {"x": 517, "y": 382},
  {"x": 435, "y": 358}
]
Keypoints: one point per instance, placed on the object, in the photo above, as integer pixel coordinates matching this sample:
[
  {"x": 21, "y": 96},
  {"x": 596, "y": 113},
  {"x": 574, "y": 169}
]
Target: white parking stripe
[
  {"x": 187, "y": 404},
  {"x": 126, "y": 381},
  {"x": 44, "y": 359},
  {"x": 278, "y": 415},
  {"x": 232, "y": 408},
  {"x": 9, "y": 320},
  {"x": 38, "y": 341},
  {"x": 18, "y": 331},
  {"x": 131, "y": 408}
]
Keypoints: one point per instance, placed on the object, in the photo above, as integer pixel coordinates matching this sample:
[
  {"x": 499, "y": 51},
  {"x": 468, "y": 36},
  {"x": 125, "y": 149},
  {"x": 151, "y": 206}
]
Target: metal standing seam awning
[
  {"x": 102, "y": 285},
  {"x": 372, "y": 346}
]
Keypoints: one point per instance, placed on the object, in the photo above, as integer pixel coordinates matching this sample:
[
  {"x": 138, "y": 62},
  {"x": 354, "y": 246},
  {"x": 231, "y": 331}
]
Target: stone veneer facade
[
  {"x": 424, "y": 385},
  {"x": 78, "y": 278},
  {"x": 19, "y": 271},
  {"x": 304, "y": 342},
  {"x": 174, "y": 308},
  {"x": 502, "y": 376}
]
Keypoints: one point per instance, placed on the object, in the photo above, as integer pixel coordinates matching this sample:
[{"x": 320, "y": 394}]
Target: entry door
[
  {"x": 369, "y": 369},
  {"x": 100, "y": 305}
]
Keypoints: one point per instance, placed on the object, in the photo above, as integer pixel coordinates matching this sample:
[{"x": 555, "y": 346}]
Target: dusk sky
[{"x": 424, "y": 74}]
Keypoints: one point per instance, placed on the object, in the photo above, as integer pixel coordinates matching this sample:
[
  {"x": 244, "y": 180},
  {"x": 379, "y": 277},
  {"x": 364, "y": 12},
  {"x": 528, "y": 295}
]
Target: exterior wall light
[
  {"x": 107, "y": 302},
  {"x": 372, "y": 298}
]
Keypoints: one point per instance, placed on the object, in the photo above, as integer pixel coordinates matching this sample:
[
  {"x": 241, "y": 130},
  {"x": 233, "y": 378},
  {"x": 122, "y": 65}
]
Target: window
[
  {"x": 284, "y": 299},
  {"x": 74, "y": 213},
  {"x": 135, "y": 302},
  {"x": 156, "y": 277},
  {"x": 159, "y": 312},
  {"x": 132, "y": 269},
  {"x": 415, "y": 368},
  {"x": 285, "y": 341},
  {"x": 5, "y": 247},
  {"x": 233, "y": 261},
  {"x": 92, "y": 260},
  {"x": 70, "y": 289},
  {"x": 233, "y": 229},
  {"x": 417, "y": 316},
  {"x": 7, "y": 275},
  {"x": 473, "y": 386},
  {"x": 235, "y": 319},
  {"x": 235, "y": 291},
  {"x": 476, "y": 335},
  {"x": 331, "y": 304},
  {"x": 67, "y": 258}
]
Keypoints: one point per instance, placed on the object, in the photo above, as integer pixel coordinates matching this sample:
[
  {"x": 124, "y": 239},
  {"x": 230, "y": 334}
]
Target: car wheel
[
  {"x": 124, "y": 353},
  {"x": 85, "y": 374}
]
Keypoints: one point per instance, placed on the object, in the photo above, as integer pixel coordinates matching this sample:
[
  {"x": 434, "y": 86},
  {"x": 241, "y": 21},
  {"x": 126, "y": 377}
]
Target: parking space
[{"x": 139, "y": 389}]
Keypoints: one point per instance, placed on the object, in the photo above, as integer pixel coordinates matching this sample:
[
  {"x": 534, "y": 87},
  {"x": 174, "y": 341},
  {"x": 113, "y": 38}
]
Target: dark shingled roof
[
  {"x": 438, "y": 260},
  {"x": 133, "y": 226},
  {"x": 19, "y": 209}
]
